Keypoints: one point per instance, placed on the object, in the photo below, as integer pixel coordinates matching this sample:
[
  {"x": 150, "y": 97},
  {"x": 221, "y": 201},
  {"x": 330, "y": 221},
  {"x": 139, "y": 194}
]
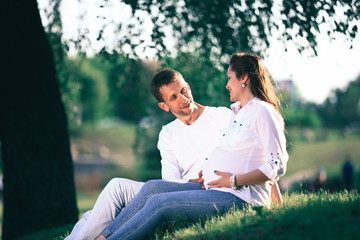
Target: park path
[{"x": 287, "y": 181}]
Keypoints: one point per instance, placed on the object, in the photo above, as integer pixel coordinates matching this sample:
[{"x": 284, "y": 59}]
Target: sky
[{"x": 334, "y": 67}]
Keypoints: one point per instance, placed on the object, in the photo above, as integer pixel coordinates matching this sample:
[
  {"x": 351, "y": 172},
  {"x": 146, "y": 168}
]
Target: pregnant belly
[{"x": 229, "y": 161}]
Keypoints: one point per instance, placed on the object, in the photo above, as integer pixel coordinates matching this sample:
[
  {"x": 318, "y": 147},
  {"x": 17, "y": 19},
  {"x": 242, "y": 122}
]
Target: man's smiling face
[{"x": 177, "y": 98}]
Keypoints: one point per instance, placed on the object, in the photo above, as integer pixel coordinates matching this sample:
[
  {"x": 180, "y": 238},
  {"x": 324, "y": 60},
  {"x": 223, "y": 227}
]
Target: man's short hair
[{"x": 162, "y": 78}]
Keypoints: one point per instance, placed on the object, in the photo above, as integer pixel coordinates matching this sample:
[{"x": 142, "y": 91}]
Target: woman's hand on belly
[{"x": 222, "y": 181}]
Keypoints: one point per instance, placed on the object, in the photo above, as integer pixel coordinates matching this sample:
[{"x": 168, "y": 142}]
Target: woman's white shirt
[{"x": 253, "y": 140}]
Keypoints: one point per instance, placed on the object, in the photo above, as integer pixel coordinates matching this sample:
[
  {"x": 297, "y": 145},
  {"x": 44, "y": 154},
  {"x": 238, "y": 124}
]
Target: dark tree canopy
[{"x": 219, "y": 28}]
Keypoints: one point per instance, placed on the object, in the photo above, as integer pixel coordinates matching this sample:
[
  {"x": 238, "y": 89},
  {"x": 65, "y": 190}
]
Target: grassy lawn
[{"x": 302, "y": 216}]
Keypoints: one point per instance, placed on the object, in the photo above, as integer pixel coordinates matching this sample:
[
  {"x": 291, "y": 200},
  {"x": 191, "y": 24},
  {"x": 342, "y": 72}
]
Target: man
[{"x": 183, "y": 145}]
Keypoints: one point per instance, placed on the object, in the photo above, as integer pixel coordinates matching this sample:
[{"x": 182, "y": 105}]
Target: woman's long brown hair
[{"x": 261, "y": 82}]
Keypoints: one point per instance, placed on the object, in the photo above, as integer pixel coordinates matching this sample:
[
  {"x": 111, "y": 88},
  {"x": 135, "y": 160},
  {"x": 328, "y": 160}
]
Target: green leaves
[{"x": 214, "y": 28}]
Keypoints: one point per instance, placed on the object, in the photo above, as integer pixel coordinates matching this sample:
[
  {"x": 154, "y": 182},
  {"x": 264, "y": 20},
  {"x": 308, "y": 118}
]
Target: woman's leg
[
  {"x": 151, "y": 188},
  {"x": 192, "y": 205}
]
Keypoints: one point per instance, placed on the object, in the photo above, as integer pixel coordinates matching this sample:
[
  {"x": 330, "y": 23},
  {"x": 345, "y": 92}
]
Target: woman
[{"x": 237, "y": 173}]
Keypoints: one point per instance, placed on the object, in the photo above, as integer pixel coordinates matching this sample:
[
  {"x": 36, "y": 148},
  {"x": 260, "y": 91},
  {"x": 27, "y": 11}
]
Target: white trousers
[{"x": 113, "y": 198}]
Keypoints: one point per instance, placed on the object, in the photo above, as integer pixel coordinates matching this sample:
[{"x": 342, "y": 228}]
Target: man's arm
[{"x": 170, "y": 169}]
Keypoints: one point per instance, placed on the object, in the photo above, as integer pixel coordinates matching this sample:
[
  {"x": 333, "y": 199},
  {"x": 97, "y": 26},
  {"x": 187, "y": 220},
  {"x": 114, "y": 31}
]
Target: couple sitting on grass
[{"x": 213, "y": 159}]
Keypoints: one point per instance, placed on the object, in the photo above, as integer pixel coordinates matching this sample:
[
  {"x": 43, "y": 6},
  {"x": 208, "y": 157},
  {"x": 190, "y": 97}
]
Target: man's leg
[
  {"x": 113, "y": 198},
  {"x": 190, "y": 205},
  {"x": 79, "y": 225},
  {"x": 151, "y": 188}
]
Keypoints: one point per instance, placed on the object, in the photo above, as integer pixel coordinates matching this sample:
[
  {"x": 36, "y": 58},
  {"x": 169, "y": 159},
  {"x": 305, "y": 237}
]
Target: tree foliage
[
  {"x": 342, "y": 107},
  {"x": 218, "y": 28},
  {"x": 205, "y": 78},
  {"x": 211, "y": 29},
  {"x": 128, "y": 81}
]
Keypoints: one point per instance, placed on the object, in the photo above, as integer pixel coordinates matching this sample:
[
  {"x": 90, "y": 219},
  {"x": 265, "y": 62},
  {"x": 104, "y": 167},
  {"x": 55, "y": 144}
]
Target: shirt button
[
  {"x": 240, "y": 124},
  {"x": 224, "y": 134},
  {"x": 206, "y": 158},
  {"x": 234, "y": 121}
]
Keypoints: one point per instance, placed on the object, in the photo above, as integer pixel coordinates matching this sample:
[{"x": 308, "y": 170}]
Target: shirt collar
[{"x": 235, "y": 107}]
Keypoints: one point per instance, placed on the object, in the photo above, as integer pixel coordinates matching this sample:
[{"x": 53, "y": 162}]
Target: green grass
[
  {"x": 319, "y": 215},
  {"x": 58, "y": 233},
  {"x": 302, "y": 216}
]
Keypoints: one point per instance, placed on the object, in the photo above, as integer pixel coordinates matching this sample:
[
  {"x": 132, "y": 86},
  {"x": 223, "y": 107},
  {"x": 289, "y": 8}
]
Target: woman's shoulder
[
  {"x": 265, "y": 109},
  {"x": 263, "y": 106}
]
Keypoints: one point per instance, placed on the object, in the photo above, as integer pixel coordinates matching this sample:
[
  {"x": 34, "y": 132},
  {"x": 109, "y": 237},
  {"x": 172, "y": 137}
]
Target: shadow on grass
[{"x": 57, "y": 233}]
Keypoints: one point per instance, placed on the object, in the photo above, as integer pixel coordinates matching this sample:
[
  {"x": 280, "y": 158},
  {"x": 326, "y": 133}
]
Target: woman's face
[{"x": 234, "y": 85}]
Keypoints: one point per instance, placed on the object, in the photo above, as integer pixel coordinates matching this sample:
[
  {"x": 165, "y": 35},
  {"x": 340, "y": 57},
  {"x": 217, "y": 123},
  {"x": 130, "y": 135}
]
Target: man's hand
[
  {"x": 223, "y": 181},
  {"x": 101, "y": 237},
  {"x": 199, "y": 180}
]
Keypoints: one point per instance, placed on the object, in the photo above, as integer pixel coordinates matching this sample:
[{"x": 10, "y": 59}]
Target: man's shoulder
[{"x": 171, "y": 125}]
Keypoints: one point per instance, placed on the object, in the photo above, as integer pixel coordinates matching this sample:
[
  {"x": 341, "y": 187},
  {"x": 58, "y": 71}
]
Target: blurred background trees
[{"x": 341, "y": 108}]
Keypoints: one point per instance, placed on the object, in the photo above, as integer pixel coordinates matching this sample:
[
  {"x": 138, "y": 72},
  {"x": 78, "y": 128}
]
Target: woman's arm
[
  {"x": 253, "y": 177},
  {"x": 270, "y": 129}
]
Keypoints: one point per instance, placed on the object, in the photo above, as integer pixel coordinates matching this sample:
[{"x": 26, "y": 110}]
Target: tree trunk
[{"x": 39, "y": 190}]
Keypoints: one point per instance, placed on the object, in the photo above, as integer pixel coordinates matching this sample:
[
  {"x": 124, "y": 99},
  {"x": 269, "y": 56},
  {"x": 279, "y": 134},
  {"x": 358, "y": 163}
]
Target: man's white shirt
[{"x": 183, "y": 148}]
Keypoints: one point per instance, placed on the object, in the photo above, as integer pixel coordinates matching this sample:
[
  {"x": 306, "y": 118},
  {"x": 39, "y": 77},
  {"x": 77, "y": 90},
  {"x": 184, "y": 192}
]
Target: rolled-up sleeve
[
  {"x": 270, "y": 127},
  {"x": 170, "y": 169}
]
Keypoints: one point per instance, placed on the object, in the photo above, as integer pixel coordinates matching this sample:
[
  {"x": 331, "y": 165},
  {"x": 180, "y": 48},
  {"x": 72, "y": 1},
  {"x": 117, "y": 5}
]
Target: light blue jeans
[{"x": 160, "y": 201}]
